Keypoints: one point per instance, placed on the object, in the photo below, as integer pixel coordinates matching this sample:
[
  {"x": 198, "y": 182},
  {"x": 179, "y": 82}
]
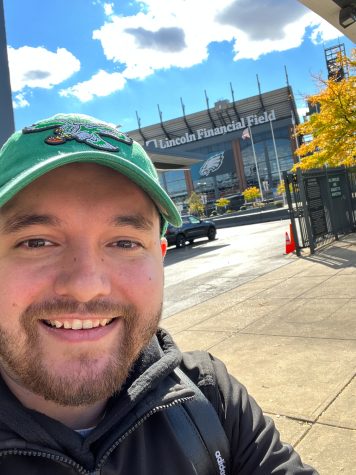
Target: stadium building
[{"x": 235, "y": 144}]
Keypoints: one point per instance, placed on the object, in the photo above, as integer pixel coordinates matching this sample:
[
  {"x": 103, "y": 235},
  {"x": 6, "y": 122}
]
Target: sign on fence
[
  {"x": 335, "y": 186},
  {"x": 315, "y": 207}
]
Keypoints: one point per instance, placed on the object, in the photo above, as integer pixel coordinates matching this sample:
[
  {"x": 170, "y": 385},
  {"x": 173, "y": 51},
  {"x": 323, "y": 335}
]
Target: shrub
[{"x": 251, "y": 193}]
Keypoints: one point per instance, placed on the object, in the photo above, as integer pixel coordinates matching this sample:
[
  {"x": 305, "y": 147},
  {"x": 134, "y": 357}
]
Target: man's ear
[{"x": 164, "y": 245}]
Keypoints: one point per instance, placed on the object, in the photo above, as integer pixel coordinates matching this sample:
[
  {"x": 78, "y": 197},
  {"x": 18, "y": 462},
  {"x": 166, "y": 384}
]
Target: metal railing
[{"x": 322, "y": 205}]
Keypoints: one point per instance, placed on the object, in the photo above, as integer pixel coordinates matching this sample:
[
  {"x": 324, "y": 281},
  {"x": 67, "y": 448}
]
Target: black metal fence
[
  {"x": 352, "y": 184},
  {"x": 322, "y": 205}
]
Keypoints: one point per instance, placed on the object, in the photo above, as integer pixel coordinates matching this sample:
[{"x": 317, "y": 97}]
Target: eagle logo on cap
[{"x": 81, "y": 130}]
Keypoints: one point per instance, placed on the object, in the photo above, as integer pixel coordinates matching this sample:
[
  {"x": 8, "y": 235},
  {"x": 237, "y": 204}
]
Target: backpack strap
[{"x": 209, "y": 449}]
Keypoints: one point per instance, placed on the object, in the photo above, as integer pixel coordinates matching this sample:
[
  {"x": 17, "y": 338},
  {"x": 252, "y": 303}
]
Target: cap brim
[{"x": 118, "y": 163}]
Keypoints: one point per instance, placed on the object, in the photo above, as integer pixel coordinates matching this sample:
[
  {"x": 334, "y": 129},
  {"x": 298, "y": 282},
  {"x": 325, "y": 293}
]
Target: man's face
[{"x": 81, "y": 283}]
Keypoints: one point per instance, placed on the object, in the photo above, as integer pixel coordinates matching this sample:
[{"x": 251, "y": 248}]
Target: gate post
[
  {"x": 349, "y": 200},
  {"x": 306, "y": 211},
  {"x": 291, "y": 213},
  {"x": 331, "y": 205}
]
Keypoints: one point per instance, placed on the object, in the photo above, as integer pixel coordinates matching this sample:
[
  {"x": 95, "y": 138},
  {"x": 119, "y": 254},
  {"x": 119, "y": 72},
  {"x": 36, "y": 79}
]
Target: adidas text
[{"x": 221, "y": 462}]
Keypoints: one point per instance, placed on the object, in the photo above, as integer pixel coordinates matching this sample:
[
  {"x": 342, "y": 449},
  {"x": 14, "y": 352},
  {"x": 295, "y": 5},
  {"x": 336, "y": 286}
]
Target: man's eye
[
  {"x": 126, "y": 244},
  {"x": 35, "y": 243}
]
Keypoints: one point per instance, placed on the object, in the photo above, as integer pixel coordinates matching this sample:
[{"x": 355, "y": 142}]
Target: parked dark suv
[{"x": 192, "y": 228}]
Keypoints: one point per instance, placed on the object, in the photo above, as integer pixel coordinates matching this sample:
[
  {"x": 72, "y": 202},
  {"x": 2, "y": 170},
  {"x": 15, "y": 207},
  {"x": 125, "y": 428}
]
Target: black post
[
  {"x": 349, "y": 200},
  {"x": 291, "y": 213},
  {"x": 6, "y": 110},
  {"x": 331, "y": 206},
  {"x": 305, "y": 211}
]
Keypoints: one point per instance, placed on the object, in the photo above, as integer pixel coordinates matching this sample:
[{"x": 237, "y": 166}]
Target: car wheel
[
  {"x": 211, "y": 234},
  {"x": 180, "y": 241}
]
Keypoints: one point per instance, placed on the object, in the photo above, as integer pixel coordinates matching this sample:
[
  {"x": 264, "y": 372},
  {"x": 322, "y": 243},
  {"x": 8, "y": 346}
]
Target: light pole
[
  {"x": 6, "y": 111},
  {"x": 277, "y": 161}
]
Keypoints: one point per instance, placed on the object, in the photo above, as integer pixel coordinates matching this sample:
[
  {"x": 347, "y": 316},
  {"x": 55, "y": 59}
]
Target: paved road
[{"x": 199, "y": 272}]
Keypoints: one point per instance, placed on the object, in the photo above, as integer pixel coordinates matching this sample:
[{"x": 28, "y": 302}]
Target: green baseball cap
[{"x": 69, "y": 138}]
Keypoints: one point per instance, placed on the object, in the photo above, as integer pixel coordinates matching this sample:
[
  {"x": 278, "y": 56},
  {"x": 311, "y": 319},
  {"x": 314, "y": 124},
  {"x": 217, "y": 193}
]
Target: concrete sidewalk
[{"x": 290, "y": 337}]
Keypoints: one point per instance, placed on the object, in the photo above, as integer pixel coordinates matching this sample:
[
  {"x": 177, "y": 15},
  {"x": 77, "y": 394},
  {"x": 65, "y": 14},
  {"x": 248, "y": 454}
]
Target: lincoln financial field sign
[{"x": 204, "y": 133}]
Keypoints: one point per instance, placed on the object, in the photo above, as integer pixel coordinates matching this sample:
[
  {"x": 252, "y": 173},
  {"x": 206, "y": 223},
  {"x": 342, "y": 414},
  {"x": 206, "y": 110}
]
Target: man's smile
[
  {"x": 75, "y": 330},
  {"x": 77, "y": 324}
]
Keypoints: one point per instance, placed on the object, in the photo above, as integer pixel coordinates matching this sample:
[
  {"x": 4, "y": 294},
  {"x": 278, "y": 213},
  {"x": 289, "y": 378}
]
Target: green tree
[
  {"x": 195, "y": 204},
  {"x": 251, "y": 193},
  {"x": 333, "y": 129}
]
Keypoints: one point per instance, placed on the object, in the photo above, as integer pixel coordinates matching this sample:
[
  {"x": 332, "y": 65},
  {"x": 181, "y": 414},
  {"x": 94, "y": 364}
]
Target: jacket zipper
[
  {"x": 97, "y": 471},
  {"x": 56, "y": 458},
  {"x": 138, "y": 424}
]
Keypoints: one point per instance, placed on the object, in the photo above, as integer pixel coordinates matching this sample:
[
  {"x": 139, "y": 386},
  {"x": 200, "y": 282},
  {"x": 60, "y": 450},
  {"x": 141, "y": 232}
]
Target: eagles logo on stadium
[{"x": 212, "y": 164}]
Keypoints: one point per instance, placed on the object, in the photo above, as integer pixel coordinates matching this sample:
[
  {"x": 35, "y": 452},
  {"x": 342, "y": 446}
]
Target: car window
[
  {"x": 185, "y": 220},
  {"x": 194, "y": 220}
]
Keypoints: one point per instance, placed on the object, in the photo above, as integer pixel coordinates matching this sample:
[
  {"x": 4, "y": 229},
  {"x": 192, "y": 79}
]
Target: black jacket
[{"x": 136, "y": 435}]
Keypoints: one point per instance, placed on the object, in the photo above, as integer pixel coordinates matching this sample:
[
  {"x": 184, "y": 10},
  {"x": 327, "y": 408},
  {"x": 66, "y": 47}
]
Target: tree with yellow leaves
[
  {"x": 251, "y": 193},
  {"x": 222, "y": 203},
  {"x": 281, "y": 188},
  {"x": 333, "y": 129},
  {"x": 195, "y": 204}
]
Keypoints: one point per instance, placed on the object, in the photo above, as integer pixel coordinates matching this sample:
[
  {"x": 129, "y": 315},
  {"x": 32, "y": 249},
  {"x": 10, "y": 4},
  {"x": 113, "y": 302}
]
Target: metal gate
[
  {"x": 322, "y": 205},
  {"x": 351, "y": 173}
]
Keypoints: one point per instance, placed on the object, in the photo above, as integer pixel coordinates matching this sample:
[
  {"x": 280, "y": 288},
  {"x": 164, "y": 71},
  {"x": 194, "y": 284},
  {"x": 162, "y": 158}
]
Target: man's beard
[{"x": 25, "y": 362}]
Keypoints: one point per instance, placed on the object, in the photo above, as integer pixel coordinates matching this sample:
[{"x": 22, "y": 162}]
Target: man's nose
[{"x": 83, "y": 276}]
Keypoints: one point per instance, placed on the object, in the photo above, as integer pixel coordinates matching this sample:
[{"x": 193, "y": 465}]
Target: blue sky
[{"x": 111, "y": 59}]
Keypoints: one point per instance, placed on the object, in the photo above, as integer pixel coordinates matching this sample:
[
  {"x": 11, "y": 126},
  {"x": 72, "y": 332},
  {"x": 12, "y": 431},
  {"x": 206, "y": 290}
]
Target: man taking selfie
[{"x": 89, "y": 382}]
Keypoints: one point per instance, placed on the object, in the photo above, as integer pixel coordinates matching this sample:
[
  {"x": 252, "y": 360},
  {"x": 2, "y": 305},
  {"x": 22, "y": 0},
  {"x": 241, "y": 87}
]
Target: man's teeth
[{"x": 76, "y": 324}]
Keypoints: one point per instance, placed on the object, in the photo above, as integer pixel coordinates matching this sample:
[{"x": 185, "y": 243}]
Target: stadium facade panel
[{"x": 249, "y": 142}]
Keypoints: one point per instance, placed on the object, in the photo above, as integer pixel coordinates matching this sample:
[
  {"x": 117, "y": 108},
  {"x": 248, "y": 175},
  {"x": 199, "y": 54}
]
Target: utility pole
[{"x": 6, "y": 110}]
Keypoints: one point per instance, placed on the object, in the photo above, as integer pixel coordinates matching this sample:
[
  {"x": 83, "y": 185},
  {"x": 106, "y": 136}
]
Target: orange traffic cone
[
  {"x": 289, "y": 245},
  {"x": 292, "y": 237}
]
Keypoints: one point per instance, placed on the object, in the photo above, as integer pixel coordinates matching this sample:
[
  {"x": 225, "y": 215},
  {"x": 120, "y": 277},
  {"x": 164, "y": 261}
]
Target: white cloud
[
  {"x": 163, "y": 35},
  {"x": 323, "y": 31},
  {"x": 108, "y": 9},
  {"x": 39, "y": 67},
  {"x": 101, "y": 84},
  {"x": 292, "y": 36},
  {"x": 166, "y": 34},
  {"x": 20, "y": 101},
  {"x": 172, "y": 33}
]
